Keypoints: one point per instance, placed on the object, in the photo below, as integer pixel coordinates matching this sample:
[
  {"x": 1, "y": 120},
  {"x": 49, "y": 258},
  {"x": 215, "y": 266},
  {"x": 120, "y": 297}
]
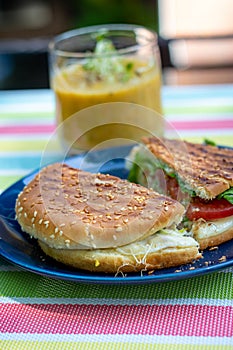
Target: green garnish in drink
[{"x": 107, "y": 65}]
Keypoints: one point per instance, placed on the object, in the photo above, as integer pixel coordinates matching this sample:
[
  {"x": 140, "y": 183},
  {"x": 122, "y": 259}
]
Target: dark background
[{"x": 26, "y": 27}]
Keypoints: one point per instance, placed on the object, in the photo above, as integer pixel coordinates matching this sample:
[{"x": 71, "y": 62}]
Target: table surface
[{"x": 37, "y": 312}]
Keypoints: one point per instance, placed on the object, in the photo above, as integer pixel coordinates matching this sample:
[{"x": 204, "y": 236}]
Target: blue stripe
[
  {"x": 27, "y": 163},
  {"x": 190, "y": 92},
  {"x": 198, "y": 92},
  {"x": 20, "y": 97}
]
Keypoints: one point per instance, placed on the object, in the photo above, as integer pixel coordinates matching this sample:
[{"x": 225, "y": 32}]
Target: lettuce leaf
[
  {"x": 228, "y": 195},
  {"x": 209, "y": 142},
  {"x": 133, "y": 173},
  {"x": 143, "y": 171}
]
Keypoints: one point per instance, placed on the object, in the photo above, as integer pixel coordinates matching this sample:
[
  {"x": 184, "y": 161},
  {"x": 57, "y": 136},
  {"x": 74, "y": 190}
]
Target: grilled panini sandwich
[
  {"x": 101, "y": 223},
  {"x": 200, "y": 176}
]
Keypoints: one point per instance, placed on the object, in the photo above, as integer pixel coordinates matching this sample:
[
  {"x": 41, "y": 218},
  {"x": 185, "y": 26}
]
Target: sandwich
[
  {"x": 200, "y": 176},
  {"x": 101, "y": 223}
]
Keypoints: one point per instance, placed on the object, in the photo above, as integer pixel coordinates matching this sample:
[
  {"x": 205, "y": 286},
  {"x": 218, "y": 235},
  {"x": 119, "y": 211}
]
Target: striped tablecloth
[{"x": 42, "y": 313}]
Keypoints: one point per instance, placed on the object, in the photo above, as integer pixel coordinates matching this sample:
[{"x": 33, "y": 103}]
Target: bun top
[
  {"x": 205, "y": 169},
  {"x": 70, "y": 208}
]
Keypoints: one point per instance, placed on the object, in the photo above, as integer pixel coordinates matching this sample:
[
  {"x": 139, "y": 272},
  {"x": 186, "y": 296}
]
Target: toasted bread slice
[
  {"x": 213, "y": 232},
  {"x": 204, "y": 169}
]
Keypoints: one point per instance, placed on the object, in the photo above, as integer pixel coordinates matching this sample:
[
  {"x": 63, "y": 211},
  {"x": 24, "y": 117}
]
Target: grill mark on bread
[
  {"x": 206, "y": 169},
  {"x": 72, "y": 208}
]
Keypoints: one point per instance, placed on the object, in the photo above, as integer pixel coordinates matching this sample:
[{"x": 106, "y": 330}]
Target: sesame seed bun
[
  {"x": 67, "y": 207},
  {"x": 89, "y": 220}
]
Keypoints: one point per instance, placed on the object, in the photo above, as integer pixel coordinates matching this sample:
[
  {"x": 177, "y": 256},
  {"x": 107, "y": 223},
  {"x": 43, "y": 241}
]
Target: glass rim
[{"x": 151, "y": 41}]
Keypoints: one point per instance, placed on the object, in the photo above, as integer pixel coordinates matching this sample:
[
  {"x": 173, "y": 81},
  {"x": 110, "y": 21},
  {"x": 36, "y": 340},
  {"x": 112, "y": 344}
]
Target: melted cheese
[
  {"x": 165, "y": 239},
  {"x": 204, "y": 229}
]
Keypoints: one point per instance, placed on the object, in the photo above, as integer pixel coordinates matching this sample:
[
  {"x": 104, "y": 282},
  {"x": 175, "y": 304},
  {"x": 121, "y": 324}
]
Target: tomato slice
[{"x": 209, "y": 210}]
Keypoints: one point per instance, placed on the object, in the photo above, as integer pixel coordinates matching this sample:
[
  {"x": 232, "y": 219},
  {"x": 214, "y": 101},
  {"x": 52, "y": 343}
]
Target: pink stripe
[
  {"x": 179, "y": 125},
  {"x": 26, "y": 129},
  {"x": 182, "y": 320},
  {"x": 203, "y": 124}
]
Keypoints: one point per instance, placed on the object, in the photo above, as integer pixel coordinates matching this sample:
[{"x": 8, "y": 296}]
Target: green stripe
[
  {"x": 7, "y": 180},
  {"x": 26, "y": 284},
  {"x": 41, "y": 345},
  {"x": 27, "y": 114},
  {"x": 198, "y": 109},
  {"x": 192, "y": 109}
]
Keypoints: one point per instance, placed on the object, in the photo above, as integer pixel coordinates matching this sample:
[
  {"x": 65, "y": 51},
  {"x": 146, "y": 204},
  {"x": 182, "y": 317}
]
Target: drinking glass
[{"x": 107, "y": 85}]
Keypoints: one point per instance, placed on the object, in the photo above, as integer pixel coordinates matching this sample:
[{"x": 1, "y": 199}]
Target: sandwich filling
[{"x": 206, "y": 216}]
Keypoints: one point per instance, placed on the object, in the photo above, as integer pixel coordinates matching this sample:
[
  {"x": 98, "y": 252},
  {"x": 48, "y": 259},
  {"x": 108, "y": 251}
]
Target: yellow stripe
[
  {"x": 7, "y": 180},
  {"x": 38, "y": 345},
  {"x": 225, "y": 140},
  {"x": 27, "y": 145}
]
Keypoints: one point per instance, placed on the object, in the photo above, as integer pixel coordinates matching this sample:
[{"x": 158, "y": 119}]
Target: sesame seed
[
  {"x": 46, "y": 222},
  {"x": 114, "y": 237},
  {"x": 20, "y": 209},
  {"x": 25, "y": 215},
  {"x": 52, "y": 236},
  {"x": 67, "y": 242},
  {"x": 32, "y": 220},
  {"x": 60, "y": 232},
  {"x": 40, "y": 221},
  {"x": 33, "y": 225},
  {"x": 46, "y": 226},
  {"x": 62, "y": 225},
  {"x": 56, "y": 230},
  {"x": 35, "y": 214},
  {"x": 119, "y": 229}
]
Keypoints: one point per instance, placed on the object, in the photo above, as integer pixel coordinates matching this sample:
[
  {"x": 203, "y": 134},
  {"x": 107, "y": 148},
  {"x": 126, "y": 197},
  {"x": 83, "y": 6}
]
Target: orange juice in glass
[{"x": 103, "y": 65}]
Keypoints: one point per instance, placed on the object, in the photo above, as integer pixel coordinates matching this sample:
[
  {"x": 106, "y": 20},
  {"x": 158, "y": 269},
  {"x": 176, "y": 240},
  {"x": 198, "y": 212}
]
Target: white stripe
[
  {"x": 25, "y": 137},
  {"x": 11, "y": 121},
  {"x": 15, "y": 171},
  {"x": 29, "y": 107},
  {"x": 118, "y": 338},
  {"x": 199, "y": 132},
  {"x": 198, "y": 116},
  {"x": 106, "y": 301},
  {"x": 182, "y": 102},
  {"x": 27, "y": 153}
]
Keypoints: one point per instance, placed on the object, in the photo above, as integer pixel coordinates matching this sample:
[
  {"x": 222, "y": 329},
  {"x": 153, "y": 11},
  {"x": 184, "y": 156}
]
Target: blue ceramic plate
[{"x": 18, "y": 248}]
